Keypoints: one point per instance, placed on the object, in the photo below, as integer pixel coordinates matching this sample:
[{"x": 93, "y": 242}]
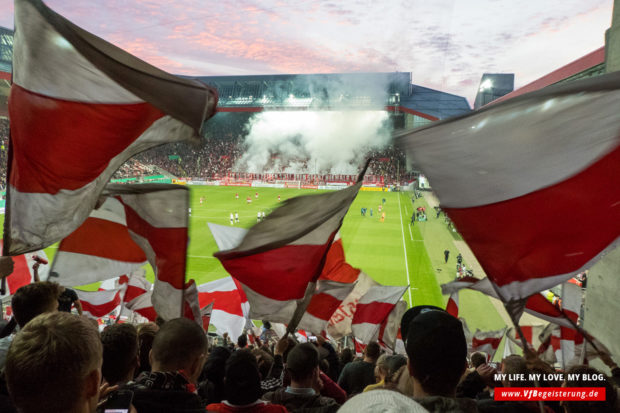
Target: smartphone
[{"x": 118, "y": 402}]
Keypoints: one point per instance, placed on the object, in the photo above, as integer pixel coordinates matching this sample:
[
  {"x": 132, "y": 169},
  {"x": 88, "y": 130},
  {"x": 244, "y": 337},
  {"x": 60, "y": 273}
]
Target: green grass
[{"x": 378, "y": 248}]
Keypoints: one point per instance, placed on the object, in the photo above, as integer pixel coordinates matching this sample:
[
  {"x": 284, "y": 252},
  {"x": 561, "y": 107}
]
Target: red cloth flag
[
  {"x": 230, "y": 306},
  {"x": 137, "y": 284},
  {"x": 512, "y": 175},
  {"x": 372, "y": 309},
  {"x": 487, "y": 342},
  {"x": 205, "y": 314},
  {"x": 325, "y": 301},
  {"x": 280, "y": 258},
  {"x": 101, "y": 248},
  {"x": 96, "y": 304},
  {"x": 536, "y": 305},
  {"x": 452, "y": 307},
  {"x": 79, "y": 108}
]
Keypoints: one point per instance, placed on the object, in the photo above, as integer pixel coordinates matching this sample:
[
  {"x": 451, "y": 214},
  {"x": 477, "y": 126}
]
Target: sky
[{"x": 445, "y": 44}]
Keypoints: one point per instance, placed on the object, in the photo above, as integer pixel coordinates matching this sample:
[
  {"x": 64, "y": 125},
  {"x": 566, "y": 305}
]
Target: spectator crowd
[{"x": 60, "y": 362}]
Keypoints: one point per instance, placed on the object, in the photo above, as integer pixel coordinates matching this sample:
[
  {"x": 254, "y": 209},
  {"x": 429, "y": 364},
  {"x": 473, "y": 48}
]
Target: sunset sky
[{"x": 446, "y": 44}]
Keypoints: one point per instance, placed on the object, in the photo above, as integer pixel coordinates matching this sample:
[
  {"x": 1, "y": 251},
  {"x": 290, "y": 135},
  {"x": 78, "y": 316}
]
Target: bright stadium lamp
[{"x": 487, "y": 84}]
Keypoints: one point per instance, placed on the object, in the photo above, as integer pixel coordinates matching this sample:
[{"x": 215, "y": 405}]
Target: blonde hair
[{"x": 48, "y": 361}]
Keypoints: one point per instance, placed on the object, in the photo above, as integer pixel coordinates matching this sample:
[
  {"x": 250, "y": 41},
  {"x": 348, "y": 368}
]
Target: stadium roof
[
  {"x": 592, "y": 64},
  {"x": 389, "y": 90}
]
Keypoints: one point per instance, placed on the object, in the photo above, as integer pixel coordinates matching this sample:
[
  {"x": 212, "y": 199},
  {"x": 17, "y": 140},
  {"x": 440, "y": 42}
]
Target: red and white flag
[
  {"x": 137, "y": 284},
  {"x": 23, "y": 274},
  {"x": 536, "y": 305},
  {"x": 205, "y": 314},
  {"x": 452, "y": 307},
  {"x": 142, "y": 305},
  {"x": 96, "y": 304},
  {"x": 512, "y": 175},
  {"x": 325, "y": 301},
  {"x": 389, "y": 332},
  {"x": 79, "y": 108},
  {"x": 372, "y": 309},
  {"x": 340, "y": 323},
  {"x": 157, "y": 221},
  {"x": 487, "y": 342},
  {"x": 279, "y": 259},
  {"x": 359, "y": 347},
  {"x": 230, "y": 307},
  {"x": 531, "y": 333},
  {"x": 101, "y": 248}
]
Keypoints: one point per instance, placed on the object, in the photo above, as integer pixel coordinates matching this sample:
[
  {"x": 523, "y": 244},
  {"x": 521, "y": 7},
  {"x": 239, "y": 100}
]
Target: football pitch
[{"x": 392, "y": 252}]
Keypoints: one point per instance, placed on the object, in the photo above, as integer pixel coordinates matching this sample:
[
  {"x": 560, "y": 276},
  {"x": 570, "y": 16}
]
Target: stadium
[{"x": 239, "y": 201}]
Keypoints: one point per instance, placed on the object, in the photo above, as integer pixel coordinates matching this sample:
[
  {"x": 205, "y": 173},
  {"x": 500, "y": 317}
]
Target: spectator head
[
  {"x": 34, "y": 299},
  {"x": 302, "y": 363},
  {"x": 393, "y": 364},
  {"x": 120, "y": 353},
  {"x": 381, "y": 401},
  {"x": 346, "y": 356},
  {"x": 266, "y": 324},
  {"x": 242, "y": 341},
  {"x": 264, "y": 360},
  {"x": 595, "y": 379},
  {"x": 242, "y": 380},
  {"x": 413, "y": 313},
  {"x": 478, "y": 359},
  {"x": 146, "y": 335},
  {"x": 180, "y": 344},
  {"x": 437, "y": 353},
  {"x": 515, "y": 364},
  {"x": 381, "y": 368},
  {"x": 54, "y": 364},
  {"x": 372, "y": 351}
]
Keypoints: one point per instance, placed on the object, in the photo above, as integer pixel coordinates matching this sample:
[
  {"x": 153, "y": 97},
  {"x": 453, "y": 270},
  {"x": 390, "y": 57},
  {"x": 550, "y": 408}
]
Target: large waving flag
[
  {"x": 487, "y": 342},
  {"x": 101, "y": 248},
  {"x": 23, "y": 272},
  {"x": 372, "y": 309},
  {"x": 279, "y": 260},
  {"x": 230, "y": 306},
  {"x": 325, "y": 301},
  {"x": 511, "y": 177},
  {"x": 79, "y": 108},
  {"x": 96, "y": 304},
  {"x": 536, "y": 305},
  {"x": 340, "y": 323}
]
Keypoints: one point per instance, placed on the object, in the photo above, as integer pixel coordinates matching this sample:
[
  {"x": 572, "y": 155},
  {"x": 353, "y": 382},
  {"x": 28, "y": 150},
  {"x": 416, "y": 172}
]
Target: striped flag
[
  {"x": 96, "y": 304},
  {"x": 79, "y": 108},
  {"x": 101, "y": 248},
  {"x": 205, "y": 315},
  {"x": 230, "y": 307},
  {"x": 23, "y": 274},
  {"x": 340, "y": 323},
  {"x": 137, "y": 284},
  {"x": 372, "y": 309},
  {"x": 536, "y": 305},
  {"x": 487, "y": 342},
  {"x": 280, "y": 259},
  {"x": 157, "y": 221},
  {"x": 143, "y": 305},
  {"x": 325, "y": 301},
  {"x": 452, "y": 307},
  {"x": 512, "y": 175},
  {"x": 389, "y": 331}
]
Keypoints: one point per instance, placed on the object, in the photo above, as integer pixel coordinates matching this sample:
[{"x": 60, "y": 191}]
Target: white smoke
[{"x": 313, "y": 141}]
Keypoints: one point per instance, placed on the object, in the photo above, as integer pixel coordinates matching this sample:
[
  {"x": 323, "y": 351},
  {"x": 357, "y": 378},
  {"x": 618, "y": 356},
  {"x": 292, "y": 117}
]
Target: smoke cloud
[{"x": 346, "y": 119}]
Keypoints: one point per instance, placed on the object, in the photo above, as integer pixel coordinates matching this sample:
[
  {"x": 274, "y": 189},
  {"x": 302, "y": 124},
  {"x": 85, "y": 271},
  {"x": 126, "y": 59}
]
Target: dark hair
[
  {"x": 611, "y": 397},
  {"x": 478, "y": 359},
  {"x": 513, "y": 365},
  {"x": 266, "y": 324},
  {"x": 373, "y": 350},
  {"x": 215, "y": 369},
  {"x": 242, "y": 341},
  {"x": 437, "y": 352},
  {"x": 146, "y": 335},
  {"x": 242, "y": 380},
  {"x": 120, "y": 349},
  {"x": 346, "y": 356},
  {"x": 265, "y": 363},
  {"x": 34, "y": 299},
  {"x": 302, "y": 360},
  {"x": 177, "y": 343}
]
